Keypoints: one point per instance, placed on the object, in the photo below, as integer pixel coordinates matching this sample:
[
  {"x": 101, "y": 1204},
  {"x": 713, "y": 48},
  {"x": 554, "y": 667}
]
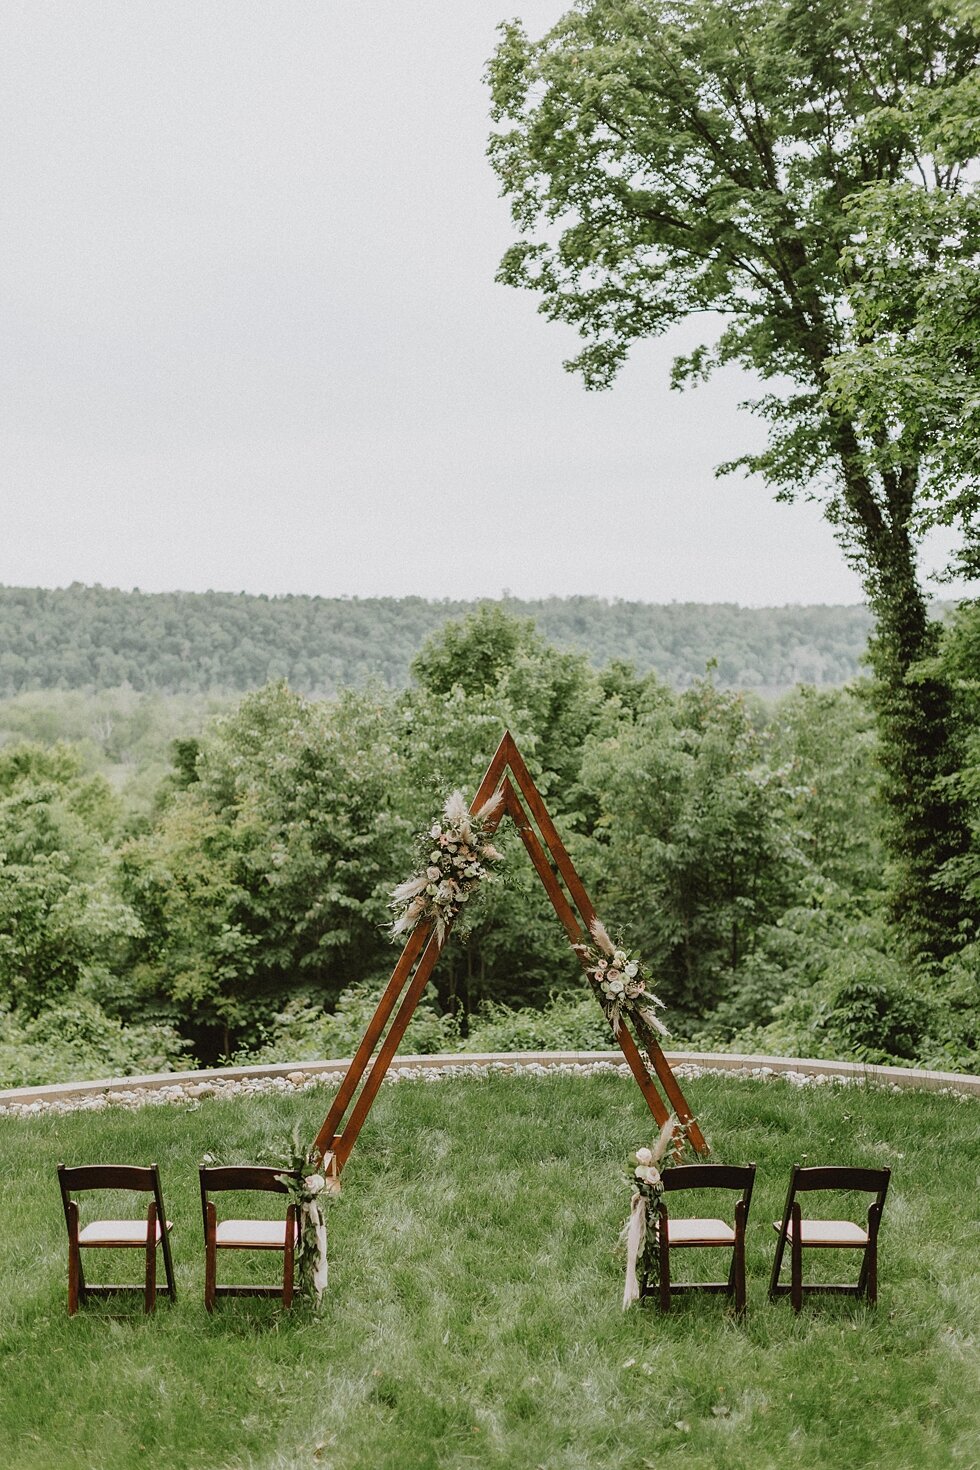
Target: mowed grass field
[{"x": 473, "y": 1316}]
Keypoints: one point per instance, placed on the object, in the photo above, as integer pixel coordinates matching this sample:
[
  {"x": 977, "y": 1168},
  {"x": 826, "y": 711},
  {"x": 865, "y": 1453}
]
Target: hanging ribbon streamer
[
  {"x": 636, "y": 1231},
  {"x": 312, "y": 1213}
]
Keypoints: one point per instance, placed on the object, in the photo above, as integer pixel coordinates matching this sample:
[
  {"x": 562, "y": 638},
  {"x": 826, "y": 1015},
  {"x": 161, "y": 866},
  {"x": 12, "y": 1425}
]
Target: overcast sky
[{"x": 251, "y": 338}]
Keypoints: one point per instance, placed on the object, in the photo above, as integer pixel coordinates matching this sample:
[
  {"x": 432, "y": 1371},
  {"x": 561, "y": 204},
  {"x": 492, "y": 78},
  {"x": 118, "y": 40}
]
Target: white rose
[
  {"x": 314, "y": 1183},
  {"x": 435, "y": 830},
  {"x": 632, "y": 968},
  {"x": 644, "y": 1156},
  {"x": 619, "y": 958},
  {"x": 616, "y": 987},
  {"x": 433, "y": 874}
]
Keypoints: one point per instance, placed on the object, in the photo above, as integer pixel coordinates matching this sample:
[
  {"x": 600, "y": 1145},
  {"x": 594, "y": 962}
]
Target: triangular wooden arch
[{"x": 350, "y": 1107}]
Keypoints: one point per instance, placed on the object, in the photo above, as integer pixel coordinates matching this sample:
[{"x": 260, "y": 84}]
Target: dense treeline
[
  {"x": 184, "y": 643},
  {"x": 244, "y": 909}
]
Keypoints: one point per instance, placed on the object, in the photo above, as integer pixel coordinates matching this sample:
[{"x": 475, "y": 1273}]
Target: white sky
[{"x": 251, "y": 338}]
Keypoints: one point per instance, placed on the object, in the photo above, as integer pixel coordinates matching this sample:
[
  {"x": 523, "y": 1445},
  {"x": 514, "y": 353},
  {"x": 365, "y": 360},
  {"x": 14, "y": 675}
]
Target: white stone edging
[{"x": 164, "y": 1087}]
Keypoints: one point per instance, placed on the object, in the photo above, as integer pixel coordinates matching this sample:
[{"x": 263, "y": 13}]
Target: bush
[
  {"x": 77, "y": 1042},
  {"x": 878, "y": 1020},
  {"x": 567, "y": 1023},
  {"x": 302, "y": 1032}
]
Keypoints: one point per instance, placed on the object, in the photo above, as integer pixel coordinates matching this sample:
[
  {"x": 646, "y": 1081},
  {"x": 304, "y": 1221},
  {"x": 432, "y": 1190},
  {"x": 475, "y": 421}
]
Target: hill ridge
[{"x": 94, "y": 637}]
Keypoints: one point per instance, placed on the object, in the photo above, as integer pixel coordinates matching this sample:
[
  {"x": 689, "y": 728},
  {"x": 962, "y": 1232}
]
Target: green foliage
[
  {"x": 106, "y": 657},
  {"x": 804, "y": 176},
  {"x": 824, "y": 742},
  {"x": 878, "y": 1020},
  {"x": 77, "y": 1040},
  {"x": 735, "y": 846},
  {"x": 60, "y": 921},
  {"x": 695, "y": 857},
  {"x": 120, "y": 734},
  {"x": 271, "y": 870},
  {"x": 302, "y": 1032},
  {"x": 571, "y": 1021}
]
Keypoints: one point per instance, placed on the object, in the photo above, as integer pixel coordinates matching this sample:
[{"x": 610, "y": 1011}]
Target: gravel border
[{"x": 191, "y": 1087}]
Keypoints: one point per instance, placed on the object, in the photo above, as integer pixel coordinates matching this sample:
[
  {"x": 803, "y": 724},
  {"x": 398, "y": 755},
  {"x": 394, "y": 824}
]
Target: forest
[
  {"x": 229, "y": 899},
  {"x": 94, "y": 638}
]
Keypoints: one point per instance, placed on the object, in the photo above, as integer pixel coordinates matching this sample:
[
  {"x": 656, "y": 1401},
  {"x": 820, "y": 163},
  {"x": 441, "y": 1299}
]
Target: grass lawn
[{"x": 473, "y": 1316}]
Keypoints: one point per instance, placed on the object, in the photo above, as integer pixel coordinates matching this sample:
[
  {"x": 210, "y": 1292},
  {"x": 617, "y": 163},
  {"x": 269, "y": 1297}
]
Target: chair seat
[
  {"x": 699, "y": 1232},
  {"x": 252, "y": 1234},
  {"x": 116, "y": 1232},
  {"x": 827, "y": 1232}
]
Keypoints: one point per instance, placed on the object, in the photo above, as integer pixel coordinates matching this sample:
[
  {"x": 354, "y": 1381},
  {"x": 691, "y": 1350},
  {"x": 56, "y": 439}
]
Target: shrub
[
  {"x": 567, "y": 1023},
  {"x": 78, "y": 1041},
  {"x": 302, "y": 1032}
]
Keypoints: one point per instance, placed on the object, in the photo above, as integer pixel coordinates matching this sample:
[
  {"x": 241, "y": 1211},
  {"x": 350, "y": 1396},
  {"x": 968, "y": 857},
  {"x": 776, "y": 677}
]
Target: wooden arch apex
[{"x": 522, "y": 802}]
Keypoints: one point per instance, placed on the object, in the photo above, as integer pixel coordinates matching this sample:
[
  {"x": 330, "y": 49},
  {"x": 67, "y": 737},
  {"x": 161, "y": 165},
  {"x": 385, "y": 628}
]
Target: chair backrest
[
  {"x": 870, "y": 1181},
  {"x": 241, "y": 1177},
  {"x": 110, "y": 1176},
  {"x": 710, "y": 1176},
  {"x": 866, "y": 1181}
]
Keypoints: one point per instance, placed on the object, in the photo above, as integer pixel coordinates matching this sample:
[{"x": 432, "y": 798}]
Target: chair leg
[
  {"x": 777, "y": 1266},
  {"x": 796, "y": 1260},
  {"x": 74, "y": 1259},
  {"x": 738, "y": 1259},
  {"x": 871, "y": 1290},
  {"x": 868, "y": 1281},
  {"x": 288, "y": 1256},
  {"x": 663, "y": 1247},
  {"x": 150, "y": 1288},
  {"x": 210, "y": 1258}
]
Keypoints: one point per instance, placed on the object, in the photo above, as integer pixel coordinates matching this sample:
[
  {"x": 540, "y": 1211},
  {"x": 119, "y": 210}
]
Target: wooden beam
[
  {"x": 551, "y": 862},
  {"x": 422, "y": 938}
]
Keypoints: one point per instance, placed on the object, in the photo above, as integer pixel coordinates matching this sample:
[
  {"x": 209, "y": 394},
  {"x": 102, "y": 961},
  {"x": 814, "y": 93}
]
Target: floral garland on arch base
[
  {"x": 307, "y": 1186},
  {"x": 620, "y": 979},
  {"x": 642, "y": 1229},
  {"x": 455, "y": 856}
]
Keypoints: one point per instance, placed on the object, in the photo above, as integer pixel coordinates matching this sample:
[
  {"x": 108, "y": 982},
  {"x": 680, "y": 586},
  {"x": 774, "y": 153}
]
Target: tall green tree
[
  {"x": 718, "y": 160},
  {"x": 266, "y": 877},
  {"x": 61, "y": 923},
  {"x": 694, "y": 851}
]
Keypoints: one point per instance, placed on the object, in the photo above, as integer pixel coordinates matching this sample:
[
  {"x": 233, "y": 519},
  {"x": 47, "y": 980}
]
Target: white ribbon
[
  {"x": 312, "y": 1213},
  {"x": 636, "y": 1230}
]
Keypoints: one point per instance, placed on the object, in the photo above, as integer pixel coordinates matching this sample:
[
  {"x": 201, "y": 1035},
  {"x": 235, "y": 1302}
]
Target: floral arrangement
[
  {"x": 642, "y": 1229},
  {"x": 621, "y": 981},
  {"x": 455, "y": 855},
  {"x": 306, "y": 1185}
]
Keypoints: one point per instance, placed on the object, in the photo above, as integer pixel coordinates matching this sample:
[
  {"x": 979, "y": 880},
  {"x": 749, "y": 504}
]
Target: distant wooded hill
[{"x": 185, "y": 642}]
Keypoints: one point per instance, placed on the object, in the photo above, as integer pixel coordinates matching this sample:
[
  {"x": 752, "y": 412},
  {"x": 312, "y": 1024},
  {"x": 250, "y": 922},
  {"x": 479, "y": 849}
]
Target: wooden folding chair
[
  {"x": 127, "y": 1234},
  {"x": 682, "y": 1233},
  {"x": 817, "y": 1234},
  {"x": 246, "y": 1235}
]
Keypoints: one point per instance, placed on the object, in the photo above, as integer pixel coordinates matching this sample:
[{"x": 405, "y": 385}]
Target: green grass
[{"x": 473, "y": 1317}]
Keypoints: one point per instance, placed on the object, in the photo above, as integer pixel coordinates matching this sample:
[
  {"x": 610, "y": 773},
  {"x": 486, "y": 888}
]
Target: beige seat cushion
[
  {"x": 699, "y": 1232},
  {"x": 827, "y": 1232},
  {"x": 252, "y": 1234},
  {"x": 116, "y": 1232}
]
